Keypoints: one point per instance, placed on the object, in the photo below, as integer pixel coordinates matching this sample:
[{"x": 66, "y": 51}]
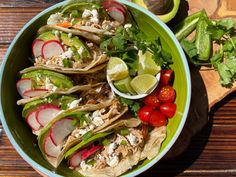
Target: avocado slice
[
  {"x": 75, "y": 42},
  {"x": 56, "y": 99},
  {"x": 69, "y": 41},
  {"x": 31, "y": 106},
  {"x": 46, "y": 36},
  {"x": 164, "y": 17},
  {"x": 59, "y": 80},
  {"x": 86, "y": 142}
]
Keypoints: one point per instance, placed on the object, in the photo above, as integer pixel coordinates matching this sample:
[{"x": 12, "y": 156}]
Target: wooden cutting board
[
  {"x": 216, "y": 9},
  {"x": 206, "y": 88}
]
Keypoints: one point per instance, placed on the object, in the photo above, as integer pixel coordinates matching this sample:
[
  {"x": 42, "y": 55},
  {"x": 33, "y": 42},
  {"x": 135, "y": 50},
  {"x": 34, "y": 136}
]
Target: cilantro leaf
[
  {"x": 134, "y": 106},
  {"x": 219, "y": 28},
  {"x": 189, "y": 48},
  {"x": 118, "y": 41}
]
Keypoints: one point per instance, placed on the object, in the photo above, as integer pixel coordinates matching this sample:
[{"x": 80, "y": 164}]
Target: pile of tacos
[{"x": 68, "y": 103}]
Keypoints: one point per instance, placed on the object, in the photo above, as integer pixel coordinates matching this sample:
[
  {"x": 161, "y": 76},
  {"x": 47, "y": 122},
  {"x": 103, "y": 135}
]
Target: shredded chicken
[
  {"x": 114, "y": 110},
  {"x": 117, "y": 151}
]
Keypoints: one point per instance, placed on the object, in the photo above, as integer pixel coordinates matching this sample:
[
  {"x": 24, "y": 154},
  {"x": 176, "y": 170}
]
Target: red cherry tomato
[
  {"x": 157, "y": 119},
  {"x": 144, "y": 113},
  {"x": 166, "y": 94},
  {"x": 152, "y": 100},
  {"x": 168, "y": 109},
  {"x": 167, "y": 77}
]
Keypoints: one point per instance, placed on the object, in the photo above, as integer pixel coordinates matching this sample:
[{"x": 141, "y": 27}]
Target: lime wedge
[
  {"x": 123, "y": 85},
  {"x": 117, "y": 69},
  {"x": 146, "y": 64},
  {"x": 143, "y": 83}
]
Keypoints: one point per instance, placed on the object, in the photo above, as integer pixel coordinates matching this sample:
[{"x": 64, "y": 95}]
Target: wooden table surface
[{"x": 212, "y": 151}]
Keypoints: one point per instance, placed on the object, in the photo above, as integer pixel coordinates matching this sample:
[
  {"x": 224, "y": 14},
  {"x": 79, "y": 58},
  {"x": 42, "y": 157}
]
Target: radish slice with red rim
[
  {"x": 37, "y": 47},
  {"x": 108, "y": 4},
  {"x": 117, "y": 14},
  {"x": 23, "y": 85},
  {"x": 34, "y": 92},
  {"x": 76, "y": 159},
  {"x": 46, "y": 113},
  {"x": 32, "y": 121},
  {"x": 61, "y": 129},
  {"x": 91, "y": 151},
  {"x": 52, "y": 48},
  {"x": 50, "y": 148}
]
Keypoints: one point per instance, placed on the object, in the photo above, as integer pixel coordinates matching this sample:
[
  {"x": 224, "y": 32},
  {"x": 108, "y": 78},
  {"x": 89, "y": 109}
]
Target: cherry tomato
[
  {"x": 168, "y": 109},
  {"x": 167, "y": 77},
  {"x": 152, "y": 100},
  {"x": 144, "y": 113},
  {"x": 157, "y": 119},
  {"x": 166, "y": 94}
]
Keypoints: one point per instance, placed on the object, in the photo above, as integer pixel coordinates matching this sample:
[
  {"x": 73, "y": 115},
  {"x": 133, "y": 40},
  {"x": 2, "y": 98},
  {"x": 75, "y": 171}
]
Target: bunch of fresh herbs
[{"x": 222, "y": 34}]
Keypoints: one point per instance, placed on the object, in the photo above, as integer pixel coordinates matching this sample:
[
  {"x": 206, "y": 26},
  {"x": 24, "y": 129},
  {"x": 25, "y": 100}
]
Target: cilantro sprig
[{"x": 127, "y": 41}]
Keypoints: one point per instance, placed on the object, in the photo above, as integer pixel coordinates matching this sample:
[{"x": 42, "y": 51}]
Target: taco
[
  {"x": 115, "y": 151},
  {"x": 40, "y": 82},
  {"x": 40, "y": 112},
  {"x": 70, "y": 127},
  {"x": 70, "y": 42}
]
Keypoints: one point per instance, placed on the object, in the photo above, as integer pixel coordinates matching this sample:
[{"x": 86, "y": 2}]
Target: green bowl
[{"x": 16, "y": 59}]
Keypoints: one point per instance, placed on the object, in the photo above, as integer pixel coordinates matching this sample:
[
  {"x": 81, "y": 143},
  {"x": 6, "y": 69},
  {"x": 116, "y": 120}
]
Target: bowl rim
[{"x": 42, "y": 169}]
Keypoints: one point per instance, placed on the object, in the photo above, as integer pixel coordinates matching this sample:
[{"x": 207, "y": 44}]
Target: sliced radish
[
  {"x": 32, "y": 121},
  {"x": 46, "y": 113},
  {"x": 52, "y": 48},
  {"x": 34, "y": 92},
  {"x": 76, "y": 159},
  {"x": 37, "y": 47},
  {"x": 91, "y": 151},
  {"x": 117, "y": 14},
  {"x": 61, "y": 129},
  {"x": 107, "y": 4},
  {"x": 22, "y": 85},
  {"x": 49, "y": 147}
]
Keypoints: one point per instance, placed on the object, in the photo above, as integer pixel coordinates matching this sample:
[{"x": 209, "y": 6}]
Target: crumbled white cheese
[
  {"x": 69, "y": 35},
  {"x": 67, "y": 54},
  {"x": 57, "y": 33},
  {"x": 96, "y": 118},
  {"x": 113, "y": 161},
  {"x": 86, "y": 13},
  {"x": 112, "y": 147},
  {"x": 98, "y": 121},
  {"x": 100, "y": 157},
  {"x": 84, "y": 166},
  {"x": 55, "y": 18},
  {"x": 96, "y": 114},
  {"x": 132, "y": 139},
  {"x": 74, "y": 103},
  {"x": 93, "y": 14},
  {"x": 49, "y": 85},
  {"x": 119, "y": 139},
  {"x": 91, "y": 127},
  {"x": 80, "y": 51},
  {"x": 94, "y": 20},
  {"x": 82, "y": 131},
  {"x": 127, "y": 26}
]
